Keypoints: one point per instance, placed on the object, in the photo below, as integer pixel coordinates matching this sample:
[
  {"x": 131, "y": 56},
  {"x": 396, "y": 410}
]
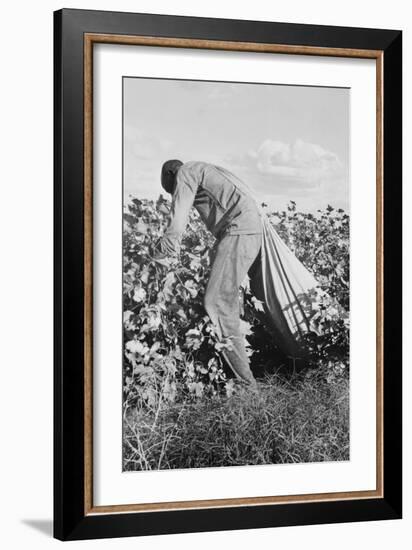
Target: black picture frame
[{"x": 71, "y": 522}]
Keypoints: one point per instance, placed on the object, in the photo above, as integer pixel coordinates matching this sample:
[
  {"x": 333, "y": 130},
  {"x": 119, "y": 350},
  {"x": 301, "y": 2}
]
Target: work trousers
[{"x": 232, "y": 259}]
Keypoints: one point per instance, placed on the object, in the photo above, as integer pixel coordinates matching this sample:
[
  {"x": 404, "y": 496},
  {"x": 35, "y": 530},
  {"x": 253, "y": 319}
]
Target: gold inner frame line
[{"x": 89, "y": 40}]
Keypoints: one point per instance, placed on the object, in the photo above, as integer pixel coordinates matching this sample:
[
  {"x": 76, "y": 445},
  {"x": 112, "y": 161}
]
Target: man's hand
[
  {"x": 159, "y": 254},
  {"x": 167, "y": 246}
]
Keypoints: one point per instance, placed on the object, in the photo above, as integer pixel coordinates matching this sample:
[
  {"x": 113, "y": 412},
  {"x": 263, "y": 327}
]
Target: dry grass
[{"x": 300, "y": 419}]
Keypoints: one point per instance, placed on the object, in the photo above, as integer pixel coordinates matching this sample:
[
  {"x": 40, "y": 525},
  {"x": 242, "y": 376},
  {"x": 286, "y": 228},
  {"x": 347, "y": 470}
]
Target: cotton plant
[{"x": 172, "y": 351}]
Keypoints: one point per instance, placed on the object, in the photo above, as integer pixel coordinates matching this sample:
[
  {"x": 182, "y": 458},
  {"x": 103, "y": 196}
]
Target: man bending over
[{"x": 227, "y": 208}]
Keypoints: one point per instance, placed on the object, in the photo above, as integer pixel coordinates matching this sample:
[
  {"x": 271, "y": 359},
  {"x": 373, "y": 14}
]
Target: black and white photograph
[
  {"x": 236, "y": 220},
  {"x": 205, "y": 290}
]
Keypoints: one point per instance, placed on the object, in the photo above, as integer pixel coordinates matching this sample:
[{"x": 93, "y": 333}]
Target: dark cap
[{"x": 169, "y": 171}]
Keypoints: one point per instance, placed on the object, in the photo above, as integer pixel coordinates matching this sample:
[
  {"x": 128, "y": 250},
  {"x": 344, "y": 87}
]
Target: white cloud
[
  {"x": 304, "y": 172},
  {"x": 301, "y": 162}
]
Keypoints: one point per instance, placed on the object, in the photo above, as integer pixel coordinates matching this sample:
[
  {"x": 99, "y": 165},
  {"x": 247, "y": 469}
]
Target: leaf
[
  {"x": 196, "y": 388},
  {"x": 141, "y": 228},
  {"x": 128, "y": 320},
  {"x": 139, "y": 294},
  {"x": 230, "y": 387},
  {"x": 245, "y": 328},
  {"x": 258, "y": 304},
  {"x": 193, "y": 339},
  {"x": 190, "y": 285},
  {"x": 135, "y": 346},
  {"x": 144, "y": 275}
]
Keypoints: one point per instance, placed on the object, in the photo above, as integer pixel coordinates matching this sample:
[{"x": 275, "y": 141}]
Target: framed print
[{"x": 227, "y": 274}]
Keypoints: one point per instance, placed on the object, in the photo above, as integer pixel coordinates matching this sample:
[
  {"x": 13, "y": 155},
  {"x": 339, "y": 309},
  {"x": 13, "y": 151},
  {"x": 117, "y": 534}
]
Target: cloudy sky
[{"x": 285, "y": 142}]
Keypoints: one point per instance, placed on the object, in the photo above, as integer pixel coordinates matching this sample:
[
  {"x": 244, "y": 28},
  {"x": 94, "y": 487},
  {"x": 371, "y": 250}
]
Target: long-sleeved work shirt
[{"x": 224, "y": 203}]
